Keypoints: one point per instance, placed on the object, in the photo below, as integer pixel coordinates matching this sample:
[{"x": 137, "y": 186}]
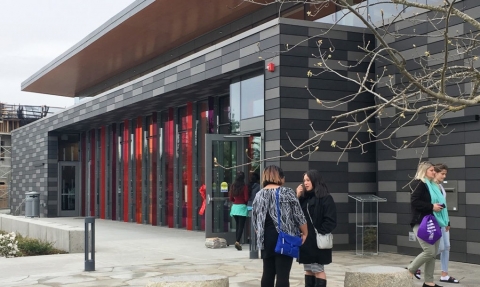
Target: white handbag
[{"x": 324, "y": 241}]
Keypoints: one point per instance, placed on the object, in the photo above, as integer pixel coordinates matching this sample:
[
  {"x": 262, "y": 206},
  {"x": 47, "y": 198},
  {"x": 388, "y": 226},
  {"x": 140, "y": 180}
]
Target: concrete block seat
[
  {"x": 190, "y": 281},
  {"x": 64, "y": 237},
  {"x": 378, "y": 276}
]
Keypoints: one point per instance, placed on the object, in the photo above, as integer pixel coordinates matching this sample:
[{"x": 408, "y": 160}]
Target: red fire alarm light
[{"x": 271, "y": 67}]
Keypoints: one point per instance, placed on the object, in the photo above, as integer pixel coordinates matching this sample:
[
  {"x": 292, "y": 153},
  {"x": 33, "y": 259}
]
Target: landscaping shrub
[{"x": 26, "y": 246}]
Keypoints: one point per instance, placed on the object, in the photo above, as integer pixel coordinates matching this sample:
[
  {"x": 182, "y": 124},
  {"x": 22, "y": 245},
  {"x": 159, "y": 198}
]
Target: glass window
[
  {"x": 185, "y": 161},
  {"x": 203, "y": 122},
  {"x": 235, "y": 107},
  {"x": 169, "y": 150},
  {"x": 224, "y": 115},
  {"x": 2, "y": 150},
  {"x": 390, "y": 10},
  {"x": 68, "y": 146},
  {"x": 252, "y": 97}
]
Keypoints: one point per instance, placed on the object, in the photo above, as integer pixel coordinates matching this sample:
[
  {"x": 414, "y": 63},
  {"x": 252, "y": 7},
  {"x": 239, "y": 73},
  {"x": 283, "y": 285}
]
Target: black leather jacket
[{"x": 421, "y": 202}]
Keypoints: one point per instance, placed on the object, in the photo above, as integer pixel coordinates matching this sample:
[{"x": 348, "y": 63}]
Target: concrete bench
[
  {"x": 378, "y": 276},
  {"x": 190, "y": 280},
  {"x": 64, "y": 237}
]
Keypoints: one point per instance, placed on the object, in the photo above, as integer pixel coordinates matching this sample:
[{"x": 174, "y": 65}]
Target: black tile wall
[
  {"x": 294, "y": 95},
  {"x": 460, "y": 149}
]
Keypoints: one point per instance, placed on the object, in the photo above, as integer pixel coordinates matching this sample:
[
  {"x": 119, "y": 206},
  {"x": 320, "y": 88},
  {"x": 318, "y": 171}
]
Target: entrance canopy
[{"x": 142, "y": 31}]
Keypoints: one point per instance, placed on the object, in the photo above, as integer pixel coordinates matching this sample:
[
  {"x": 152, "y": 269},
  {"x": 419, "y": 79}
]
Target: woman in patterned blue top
[{"x": 264, "y": 217}]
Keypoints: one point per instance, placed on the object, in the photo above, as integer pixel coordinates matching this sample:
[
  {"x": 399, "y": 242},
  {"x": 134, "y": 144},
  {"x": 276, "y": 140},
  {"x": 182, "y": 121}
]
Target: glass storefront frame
[{"x": 149, "y": 169}]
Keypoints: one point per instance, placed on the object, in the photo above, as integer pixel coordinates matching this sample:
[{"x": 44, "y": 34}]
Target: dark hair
[
  {"x": 319, "y": 186},
  {"x": 272, "y": 175},
  {"x": 254, "y": 177},
  {"x": 439, "y": 167},
  {"x": 238, "y": 185}
]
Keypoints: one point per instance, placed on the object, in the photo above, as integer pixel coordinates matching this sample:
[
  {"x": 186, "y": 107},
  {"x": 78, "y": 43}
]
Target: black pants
[
  {"x": 278, "y": 265},
  {"x": 240, "y": 221}
]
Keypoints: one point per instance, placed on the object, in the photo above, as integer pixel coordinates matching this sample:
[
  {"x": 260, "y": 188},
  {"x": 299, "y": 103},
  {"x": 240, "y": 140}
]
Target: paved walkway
[{"x": 129, "y": 254}]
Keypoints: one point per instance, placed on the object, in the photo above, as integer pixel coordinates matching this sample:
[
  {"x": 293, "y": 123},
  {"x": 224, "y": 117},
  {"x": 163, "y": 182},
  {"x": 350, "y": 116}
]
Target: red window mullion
[
  {"x": 103, "y": 164},
  {"x": 125, "y": 170},
  {"x": 114, "y": 171},
  {"x": 169, "y": 136},
  {"x": 189, "y": 167},
  {"x": 138, "y": 157},
  {"x": 84, "y": 176},
  {"x": 92, "y": 172},
  {"x": 153, "y": 171}
]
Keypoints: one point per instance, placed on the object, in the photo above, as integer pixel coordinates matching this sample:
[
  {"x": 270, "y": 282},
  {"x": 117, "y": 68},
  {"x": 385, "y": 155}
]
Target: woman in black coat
[{"x": 313, "y": 194}]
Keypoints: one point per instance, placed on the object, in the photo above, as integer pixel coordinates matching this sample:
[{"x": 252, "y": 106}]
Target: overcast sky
[{"x": 34, "y": 32}]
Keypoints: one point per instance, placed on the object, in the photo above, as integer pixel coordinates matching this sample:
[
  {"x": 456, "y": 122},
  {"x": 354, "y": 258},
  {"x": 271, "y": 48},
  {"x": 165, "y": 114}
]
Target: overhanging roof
[{"x": 142, "y": 31}]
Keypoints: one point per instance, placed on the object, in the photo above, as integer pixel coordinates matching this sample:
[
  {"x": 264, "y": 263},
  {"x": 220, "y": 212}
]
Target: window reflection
[
  {"x": 372, "y": 11},
  {"x": 235, "y": 107},
  {"x": 252, "y": 97},
  {"x": 224, "y": 116},
  {"x": 68, "y": 146},
  {"x": 247, "y": 96}
]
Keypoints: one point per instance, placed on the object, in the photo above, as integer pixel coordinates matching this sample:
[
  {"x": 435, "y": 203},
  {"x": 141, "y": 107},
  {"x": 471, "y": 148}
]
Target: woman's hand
[
  {"x": 437, "y": 207},
  {"x": 299, "y": 190},
  {"x": 303, "y": 232},
  {"x": 304, "y": 237}
]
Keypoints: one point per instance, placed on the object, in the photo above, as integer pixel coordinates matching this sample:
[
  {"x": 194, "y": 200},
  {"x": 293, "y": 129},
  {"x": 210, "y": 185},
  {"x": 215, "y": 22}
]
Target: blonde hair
[{"x": 422, "y": 170}]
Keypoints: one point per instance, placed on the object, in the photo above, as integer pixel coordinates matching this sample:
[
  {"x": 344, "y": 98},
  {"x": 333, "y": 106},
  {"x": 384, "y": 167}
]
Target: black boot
[
  {"x": 309, "y": 281},
  {"x": 319, "y": 282}
]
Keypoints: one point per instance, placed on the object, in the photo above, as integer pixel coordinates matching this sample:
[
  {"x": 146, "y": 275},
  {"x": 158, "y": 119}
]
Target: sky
[{"x": 34, "y": 32}]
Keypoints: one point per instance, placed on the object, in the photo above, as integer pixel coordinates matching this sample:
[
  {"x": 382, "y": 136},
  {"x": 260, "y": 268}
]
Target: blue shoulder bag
[{"x": 286, "y": 244}]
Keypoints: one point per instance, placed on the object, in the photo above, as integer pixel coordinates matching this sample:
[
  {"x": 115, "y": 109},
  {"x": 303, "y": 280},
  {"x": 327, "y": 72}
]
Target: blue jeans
[{"x": 444, "y": 249}]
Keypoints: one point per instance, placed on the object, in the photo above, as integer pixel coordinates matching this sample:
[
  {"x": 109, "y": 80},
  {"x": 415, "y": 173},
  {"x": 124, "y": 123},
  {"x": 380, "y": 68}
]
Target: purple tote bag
[{"x": 429, "y": 230}]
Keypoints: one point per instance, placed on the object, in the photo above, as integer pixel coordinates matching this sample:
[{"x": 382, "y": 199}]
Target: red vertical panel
[
  {"x": 84, "y": 174},
  {"x": 153, "y": 153},
  {"x": 113, "y": 195},
  {"x": 189, "y": 170},
  {"x": 92, "y": 172},
  {"x": 149, "y": 169},
  {"x": 203, "y": 130},
  {"x": 169, "y": 140},
  {"x": 102, "y": 173},
  {"x": 125, "y": 170},
  {"x": 138, "y": 157}
]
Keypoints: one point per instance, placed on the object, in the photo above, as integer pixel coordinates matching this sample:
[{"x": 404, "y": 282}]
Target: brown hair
[
  {"x": 439, "y": 167},
  {"x": 273, "y": 175},
  {"x": 238, "y": 185}
]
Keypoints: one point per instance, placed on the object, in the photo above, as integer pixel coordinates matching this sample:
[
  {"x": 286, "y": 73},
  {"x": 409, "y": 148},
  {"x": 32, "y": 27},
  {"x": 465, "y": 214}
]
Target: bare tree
[{"x": 438, "y": 84}]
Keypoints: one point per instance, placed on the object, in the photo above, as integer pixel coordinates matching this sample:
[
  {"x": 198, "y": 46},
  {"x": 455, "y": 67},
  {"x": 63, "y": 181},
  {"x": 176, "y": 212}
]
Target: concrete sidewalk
[{"x": 128, "y": 254}]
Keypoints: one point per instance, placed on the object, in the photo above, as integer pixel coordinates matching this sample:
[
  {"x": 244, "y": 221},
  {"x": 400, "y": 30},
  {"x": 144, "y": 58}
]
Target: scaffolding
[{"x": 11, "y": 118}]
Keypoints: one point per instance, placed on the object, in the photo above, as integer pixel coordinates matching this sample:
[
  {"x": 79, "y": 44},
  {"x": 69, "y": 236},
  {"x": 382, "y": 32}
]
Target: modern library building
[{"x": 172, "y": 102}]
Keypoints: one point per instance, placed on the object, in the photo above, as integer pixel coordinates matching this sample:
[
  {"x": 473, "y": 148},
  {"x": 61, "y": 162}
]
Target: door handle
[{"x": 208, "y": 198}]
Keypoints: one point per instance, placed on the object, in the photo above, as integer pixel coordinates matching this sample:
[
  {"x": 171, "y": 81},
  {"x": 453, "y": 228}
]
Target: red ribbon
[{"x": 203, "y": 193}]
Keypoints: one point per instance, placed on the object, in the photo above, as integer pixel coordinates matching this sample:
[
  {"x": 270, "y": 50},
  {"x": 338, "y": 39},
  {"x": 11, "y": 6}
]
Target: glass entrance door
[
  {"x": 221, "y": 153},
  {"x": 68, "y": 186}
]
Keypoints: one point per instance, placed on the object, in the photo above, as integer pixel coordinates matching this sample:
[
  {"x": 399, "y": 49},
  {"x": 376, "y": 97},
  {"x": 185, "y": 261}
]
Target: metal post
[
  {"x": 253, "y": 240},
  {"x": 90, "y": 243}
]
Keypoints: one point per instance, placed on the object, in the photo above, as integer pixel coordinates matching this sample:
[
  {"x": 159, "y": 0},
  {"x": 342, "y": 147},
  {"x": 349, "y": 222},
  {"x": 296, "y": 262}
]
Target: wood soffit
[{"x": 154, "y": 30}]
